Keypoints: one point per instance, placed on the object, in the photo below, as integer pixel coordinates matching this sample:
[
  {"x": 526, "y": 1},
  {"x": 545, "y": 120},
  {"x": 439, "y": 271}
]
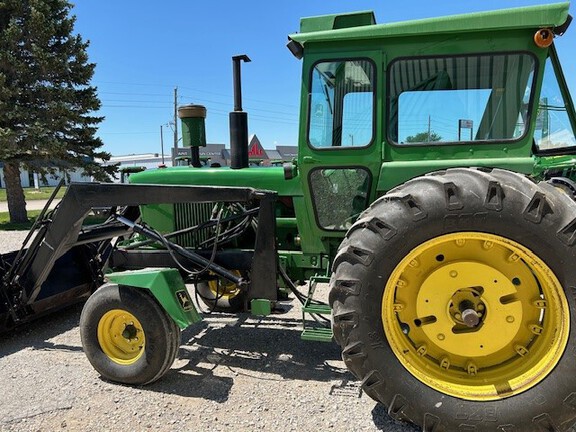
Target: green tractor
[{"x": 434, "y": 190}]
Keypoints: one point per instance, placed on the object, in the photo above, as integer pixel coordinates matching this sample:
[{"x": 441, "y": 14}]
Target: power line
[
  {"x": 285, "y": 118},
  {"x": 129, "y": 103},
  {"x": 227, "y": 95},
  {"x": 135, "y": 101},
  {"x": 130, "y": 94},
  {"x": 134, "y": 106},
  {"x": 248, "y": 108},
  {"x": 132, "y": 83},
  {"x": 126, "y": 133}
]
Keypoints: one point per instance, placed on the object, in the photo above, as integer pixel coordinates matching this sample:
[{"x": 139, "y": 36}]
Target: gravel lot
[{"x": 233, "y": 373}]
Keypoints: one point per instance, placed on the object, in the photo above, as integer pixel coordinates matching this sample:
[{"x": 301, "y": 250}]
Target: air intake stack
[
  {"x": 238, "y": 120},
  {"x": 193, "y": 130}
]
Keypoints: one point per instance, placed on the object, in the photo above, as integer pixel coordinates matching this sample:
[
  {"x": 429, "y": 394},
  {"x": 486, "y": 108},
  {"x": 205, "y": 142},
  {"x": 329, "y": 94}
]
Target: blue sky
[{"x": 144, "y": 49}]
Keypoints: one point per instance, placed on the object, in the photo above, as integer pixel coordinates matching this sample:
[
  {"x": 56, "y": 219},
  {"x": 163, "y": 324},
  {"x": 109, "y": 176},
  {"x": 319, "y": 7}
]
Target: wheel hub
[
  {"x": 130, "y": 332},
  {"x": 466, "y": 307},
  {"x": 442, "y": 301},
  {"x": 475, "y": 315},
  {"x": 121, "y": 336}
]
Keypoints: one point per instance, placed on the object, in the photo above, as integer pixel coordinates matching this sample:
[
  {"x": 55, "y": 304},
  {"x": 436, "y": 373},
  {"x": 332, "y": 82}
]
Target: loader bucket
[
  {"x": 73, "y": 275},
  {"x": 70, "y": 281}
]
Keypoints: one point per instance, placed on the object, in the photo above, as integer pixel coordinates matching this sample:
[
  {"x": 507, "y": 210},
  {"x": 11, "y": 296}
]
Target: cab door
[{"x": 340, "y": 148}]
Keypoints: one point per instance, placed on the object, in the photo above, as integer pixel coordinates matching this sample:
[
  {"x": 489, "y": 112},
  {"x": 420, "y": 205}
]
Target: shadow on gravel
[
  {"x": 243, "y": 345},
  {"x": 37, "y": 334},
  {"x": 265, "y": 345},
  {"x": 264, "y": 349},
  {"x": 203, "y": 385},
  {"x": 386, "y": 423}
]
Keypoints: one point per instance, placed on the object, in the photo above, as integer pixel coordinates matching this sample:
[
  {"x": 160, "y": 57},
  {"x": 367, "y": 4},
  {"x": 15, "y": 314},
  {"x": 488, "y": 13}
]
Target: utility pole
[
  {"x": 428, "y": 128},
  {"x": 175, "y": 117},
  {"x": 162, "y": 143}
]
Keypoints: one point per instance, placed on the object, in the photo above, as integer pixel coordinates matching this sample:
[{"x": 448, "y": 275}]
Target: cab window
[
  {"x": 341, "y": 104},
  {"x": 553, "y": 128},
  {"x": 339, "y": 196},
  {"x": 463, "y": 98}
]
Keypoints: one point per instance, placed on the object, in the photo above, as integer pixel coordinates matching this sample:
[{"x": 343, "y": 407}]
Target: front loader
[{"x": 434, "y": 190}]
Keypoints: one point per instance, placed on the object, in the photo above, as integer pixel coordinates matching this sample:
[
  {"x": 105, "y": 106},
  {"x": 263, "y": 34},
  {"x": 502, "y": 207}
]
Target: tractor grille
[{"x": 190, "y": 214}]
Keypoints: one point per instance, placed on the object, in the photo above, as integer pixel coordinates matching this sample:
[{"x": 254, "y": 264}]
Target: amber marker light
[{"x": 543, "y": 38}]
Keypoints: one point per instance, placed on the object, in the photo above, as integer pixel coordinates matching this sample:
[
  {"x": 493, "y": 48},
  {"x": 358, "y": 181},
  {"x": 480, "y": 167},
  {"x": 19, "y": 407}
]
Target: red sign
[{"x": 256, "y": 150}]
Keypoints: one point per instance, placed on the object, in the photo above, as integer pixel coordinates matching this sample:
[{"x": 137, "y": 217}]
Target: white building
[
  {"x": 211, "y": 155},
  {"x": 32, "y": 179}
]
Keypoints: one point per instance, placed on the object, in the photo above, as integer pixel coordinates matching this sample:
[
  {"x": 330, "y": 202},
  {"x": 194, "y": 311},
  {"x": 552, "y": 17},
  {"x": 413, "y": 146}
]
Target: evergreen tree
[{"x": 47, "y": 104}]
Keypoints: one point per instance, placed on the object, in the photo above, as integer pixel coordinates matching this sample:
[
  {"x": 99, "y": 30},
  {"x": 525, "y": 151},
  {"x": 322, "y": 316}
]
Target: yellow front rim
[
  {"x": 121, "y": 336},
  {"x": 476, "y": 316},
  {"x": 224, "y": 289}
]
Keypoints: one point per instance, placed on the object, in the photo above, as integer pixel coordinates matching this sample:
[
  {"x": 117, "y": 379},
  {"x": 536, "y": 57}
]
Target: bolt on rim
[
  {"x": 475, "y": 315},
  {"x": 121, "y": 336}
]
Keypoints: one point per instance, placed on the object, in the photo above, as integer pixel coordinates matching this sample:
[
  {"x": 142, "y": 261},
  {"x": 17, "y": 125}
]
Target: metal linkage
[
  {"x": 199, "y": 260},
  {"x": 65, "y": 260}
]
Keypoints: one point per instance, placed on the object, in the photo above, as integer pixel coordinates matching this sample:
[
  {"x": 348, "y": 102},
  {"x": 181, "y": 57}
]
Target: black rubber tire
[
  {"x": 457, "y": 200},
  {"x": 161, "y": 332},
  {"x": 229, "y": 304}
]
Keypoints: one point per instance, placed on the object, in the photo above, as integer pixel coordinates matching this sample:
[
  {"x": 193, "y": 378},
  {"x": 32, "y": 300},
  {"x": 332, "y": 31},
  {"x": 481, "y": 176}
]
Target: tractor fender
[{"x": 167, "y": 287}]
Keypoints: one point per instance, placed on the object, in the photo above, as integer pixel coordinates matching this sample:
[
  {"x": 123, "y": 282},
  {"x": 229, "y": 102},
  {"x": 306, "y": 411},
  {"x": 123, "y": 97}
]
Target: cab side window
[
  {"x": 459, "y": 98},
  {"x": 553, "y": 128},
  {"x": 341, "y": 104}
]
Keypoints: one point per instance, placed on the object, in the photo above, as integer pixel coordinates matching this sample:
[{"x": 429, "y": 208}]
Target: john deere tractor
[{"x": 434, "y": 190}]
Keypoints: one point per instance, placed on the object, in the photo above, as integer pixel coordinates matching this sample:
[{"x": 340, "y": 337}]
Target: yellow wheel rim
[
  {"x": 476, "y": 316},
  {"x": 121, "y": 336},
  {"x": 223, "y": 288}
]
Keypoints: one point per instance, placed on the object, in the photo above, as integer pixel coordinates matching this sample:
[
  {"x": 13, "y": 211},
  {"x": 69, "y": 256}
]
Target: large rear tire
[
  {"x": 127, "y": 336},
  {"x": 453, "y": 301}
]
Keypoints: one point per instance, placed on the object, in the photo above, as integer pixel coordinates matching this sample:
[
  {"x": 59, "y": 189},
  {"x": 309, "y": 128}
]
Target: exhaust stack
[{"x": 238, "y": 120}]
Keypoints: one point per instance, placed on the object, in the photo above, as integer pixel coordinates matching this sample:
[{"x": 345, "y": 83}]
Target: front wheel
[
  {"x": 127, "y": 336},
  {"x": 453, "y": 302}
]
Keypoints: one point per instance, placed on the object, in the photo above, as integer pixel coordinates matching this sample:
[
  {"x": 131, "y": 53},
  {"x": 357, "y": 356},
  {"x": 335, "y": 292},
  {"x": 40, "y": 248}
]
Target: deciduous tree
[{"x": 422, "y": 137}]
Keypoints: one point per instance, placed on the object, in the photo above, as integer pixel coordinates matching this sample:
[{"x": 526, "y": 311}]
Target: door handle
[{"x": 309, "y": 160}]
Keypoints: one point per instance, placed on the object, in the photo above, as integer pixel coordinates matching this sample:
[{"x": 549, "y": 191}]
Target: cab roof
[{"x": 362, "y": 25}]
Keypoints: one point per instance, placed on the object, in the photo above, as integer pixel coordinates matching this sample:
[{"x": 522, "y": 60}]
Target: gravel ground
[{"x": 233, "y": 373}]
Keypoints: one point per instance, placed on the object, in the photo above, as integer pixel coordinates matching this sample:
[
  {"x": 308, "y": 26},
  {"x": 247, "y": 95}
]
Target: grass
[
  {"x": 5, "y": 224},
  {"x": 30, "y": 194},
  {"x": 36, "y": 194}
]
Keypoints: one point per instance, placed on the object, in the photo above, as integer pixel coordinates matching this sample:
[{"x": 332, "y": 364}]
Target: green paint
[
  {"x": 260, "y": 307},
  {"x": 501, "y": 20},
  {"x": 193, "y": 132},
  {"x": 338, "y": 21},
  {"x": 394, "y": 173},
  {"x": 317, "y": 335},
  {"x": 352, "y": 48},
  {"x": 168, "y": 288}
]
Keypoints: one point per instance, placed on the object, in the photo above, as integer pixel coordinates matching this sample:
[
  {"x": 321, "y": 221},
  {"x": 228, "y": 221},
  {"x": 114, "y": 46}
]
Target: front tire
[
  {"x": 453, "y": 300},
  {"x": 127, "y": 336}
]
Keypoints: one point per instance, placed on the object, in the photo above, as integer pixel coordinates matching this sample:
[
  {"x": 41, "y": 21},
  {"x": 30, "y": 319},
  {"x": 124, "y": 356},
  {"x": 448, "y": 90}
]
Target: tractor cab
[{"x": 383, "y": 103}]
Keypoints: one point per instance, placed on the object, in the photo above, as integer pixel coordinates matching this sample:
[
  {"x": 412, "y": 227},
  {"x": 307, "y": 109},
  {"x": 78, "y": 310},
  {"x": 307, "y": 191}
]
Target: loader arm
[{"x": 63, "y": 233}]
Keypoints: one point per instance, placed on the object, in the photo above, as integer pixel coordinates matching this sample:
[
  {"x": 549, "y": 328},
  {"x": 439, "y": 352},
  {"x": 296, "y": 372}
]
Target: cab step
[
  {"x": 315, "y": 331},
  {"x": 319, "y": 334}
]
